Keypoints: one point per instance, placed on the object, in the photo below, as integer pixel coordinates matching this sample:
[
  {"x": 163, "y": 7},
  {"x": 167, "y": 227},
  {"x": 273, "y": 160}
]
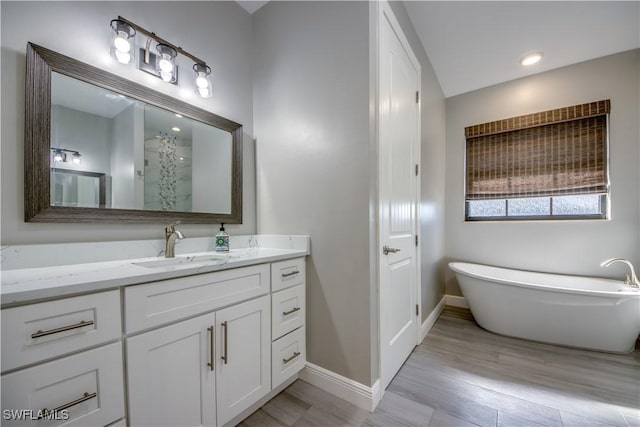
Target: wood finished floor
[{"x": 462, "y": 375}]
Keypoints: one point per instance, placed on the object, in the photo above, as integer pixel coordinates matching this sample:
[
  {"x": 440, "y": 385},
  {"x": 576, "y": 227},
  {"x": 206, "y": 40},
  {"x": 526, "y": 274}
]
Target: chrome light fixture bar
[{"x": 161, "y": 64}]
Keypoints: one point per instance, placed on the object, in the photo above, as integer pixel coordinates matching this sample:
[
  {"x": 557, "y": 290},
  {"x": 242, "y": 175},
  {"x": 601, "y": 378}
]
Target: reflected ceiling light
[
  {"x": 531, "y": 59},
  {"x": 163, "y": 64},
  {"x": 179, "y": 115},
  {"x": 175, "y": 129},
  {"x": 121, "y": 45}
]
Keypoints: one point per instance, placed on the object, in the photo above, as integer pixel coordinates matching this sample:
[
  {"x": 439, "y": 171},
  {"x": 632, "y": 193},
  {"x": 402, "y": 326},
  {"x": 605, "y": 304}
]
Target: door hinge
[
  {"x": 417, "y": 169},
  {"x": 417, "y": 96},
  {"x": 417, "y": 310},
  {"x": 416, "y": 240}
]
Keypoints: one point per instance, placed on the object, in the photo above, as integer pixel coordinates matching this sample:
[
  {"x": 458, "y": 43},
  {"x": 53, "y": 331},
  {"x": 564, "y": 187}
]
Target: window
[{"x": 548, "y": 165}]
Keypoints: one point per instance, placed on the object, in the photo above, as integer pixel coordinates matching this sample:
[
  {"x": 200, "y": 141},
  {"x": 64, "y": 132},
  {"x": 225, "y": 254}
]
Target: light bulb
[
  {"x": 165, "y": 64},
  {"x": 531, "y": 59},
  {"x": 122, "y": 57},
  {"x": 203, "y": 92},
  {"x": 58, "y": 156},
  {"x": 201, "y": 81},
  {"x": 166, "y": 76},
  {"x": 76, "y": 158},
  {"x": 121, "y": 43}
]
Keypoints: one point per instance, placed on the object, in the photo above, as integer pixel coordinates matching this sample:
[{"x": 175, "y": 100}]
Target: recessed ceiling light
[
  {"x": 531, "y": 59},
  {"x": 175, "y": 129}
]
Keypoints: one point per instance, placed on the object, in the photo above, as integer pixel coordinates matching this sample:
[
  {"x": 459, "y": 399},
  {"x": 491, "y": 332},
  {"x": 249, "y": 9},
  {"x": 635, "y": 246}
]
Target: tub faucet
[
  {"x": 631, "y": 280},
  {"x": 171, "y": 235}
]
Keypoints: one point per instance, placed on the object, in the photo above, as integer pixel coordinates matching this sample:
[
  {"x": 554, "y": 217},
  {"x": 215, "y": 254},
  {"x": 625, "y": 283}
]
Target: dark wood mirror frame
[{"x": 41, "y": 62}]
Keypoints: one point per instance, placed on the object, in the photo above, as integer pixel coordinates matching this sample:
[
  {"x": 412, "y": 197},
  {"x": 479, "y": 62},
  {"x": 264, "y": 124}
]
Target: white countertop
[{"x": 31, "y": 284}]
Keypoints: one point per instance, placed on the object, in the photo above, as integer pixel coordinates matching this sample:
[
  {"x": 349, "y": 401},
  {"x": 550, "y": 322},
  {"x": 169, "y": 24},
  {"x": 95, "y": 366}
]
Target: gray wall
[
  {"x": 311, "y": 104},
  {"x": 571, "y": 247},
  {"x": 316, "y": 157},
  {"x": 219, "y": 32}
]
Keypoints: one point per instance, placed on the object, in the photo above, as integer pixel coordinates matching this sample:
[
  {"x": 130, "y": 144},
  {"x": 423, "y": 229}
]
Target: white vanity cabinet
[
  {"x": 205, "y": 370},
  {"x": 76, "y": 377},
  {"x": 287, "y": 319},
  {"x": 201, "y": 349}
]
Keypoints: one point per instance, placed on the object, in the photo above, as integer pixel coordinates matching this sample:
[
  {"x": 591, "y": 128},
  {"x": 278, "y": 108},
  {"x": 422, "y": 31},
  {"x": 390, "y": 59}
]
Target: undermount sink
[{"x": 210, "y": 259}]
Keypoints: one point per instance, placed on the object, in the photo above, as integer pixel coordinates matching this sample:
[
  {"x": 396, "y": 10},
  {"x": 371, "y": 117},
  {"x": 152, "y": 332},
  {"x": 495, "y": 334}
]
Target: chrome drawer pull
[
  {"x": 86, "y": 396},
  {"x": 82, "y": 324},
  {"x": 293, "y": 310},
  {"x": 295, "y": 354},
  {"x": 293, "y": 273}
]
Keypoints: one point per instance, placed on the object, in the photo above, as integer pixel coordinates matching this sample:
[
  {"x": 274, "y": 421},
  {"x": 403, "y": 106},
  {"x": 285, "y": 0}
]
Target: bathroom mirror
[{"x": 100, "y": 148}]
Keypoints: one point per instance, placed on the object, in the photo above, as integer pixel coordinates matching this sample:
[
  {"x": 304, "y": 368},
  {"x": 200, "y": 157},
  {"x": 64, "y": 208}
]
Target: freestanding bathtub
[{"x": 574, "y": 311}]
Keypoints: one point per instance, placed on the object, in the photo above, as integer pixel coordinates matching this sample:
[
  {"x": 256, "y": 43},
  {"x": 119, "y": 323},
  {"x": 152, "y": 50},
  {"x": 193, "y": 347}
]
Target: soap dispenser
[{"x": 222, "y": 240}]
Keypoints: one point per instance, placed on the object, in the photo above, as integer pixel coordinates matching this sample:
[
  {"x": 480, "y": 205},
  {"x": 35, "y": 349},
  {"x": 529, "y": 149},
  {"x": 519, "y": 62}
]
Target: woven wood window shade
[{"x": 556, "y": 152}]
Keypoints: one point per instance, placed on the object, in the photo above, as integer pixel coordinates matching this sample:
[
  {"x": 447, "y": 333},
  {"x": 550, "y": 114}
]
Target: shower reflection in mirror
[{"x": 149, "y": 158}]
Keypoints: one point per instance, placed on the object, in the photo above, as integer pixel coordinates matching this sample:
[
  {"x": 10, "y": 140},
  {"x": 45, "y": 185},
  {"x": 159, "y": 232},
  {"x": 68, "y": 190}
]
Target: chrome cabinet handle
[
  {"x": 86, "y": 396},
  {"x": 387, "y": 250},
  {"x": 293, "y": 310},
  {"x": 293, "y": 273},
  {"x": 295, "y": 354},
  {"x": 224, "y": 356},
  {"x": 82, "y": 324},
  {"x": 212, "y": 350}
]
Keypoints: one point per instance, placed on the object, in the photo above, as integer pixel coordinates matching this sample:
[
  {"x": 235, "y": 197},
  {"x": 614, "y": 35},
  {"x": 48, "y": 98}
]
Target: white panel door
[
  {"x": 243, "y": 356},
  {"x": 399, "y": 75},
  {"x": 171, "y": 382}
]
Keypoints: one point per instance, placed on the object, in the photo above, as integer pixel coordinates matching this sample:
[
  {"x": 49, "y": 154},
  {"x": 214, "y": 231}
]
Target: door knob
[{"x": 387, "y": 250}]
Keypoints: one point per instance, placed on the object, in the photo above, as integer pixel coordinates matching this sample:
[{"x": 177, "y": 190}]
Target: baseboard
[
  {"x": 431, "y": 319},
  {"x": 345, "y": 388},
  {"x": 456, "y": 301}
]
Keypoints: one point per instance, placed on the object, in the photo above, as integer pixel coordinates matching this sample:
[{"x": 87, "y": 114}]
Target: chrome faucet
[
  {"x": 171, "y": 235},
  {"x": 631, "y": 280}
]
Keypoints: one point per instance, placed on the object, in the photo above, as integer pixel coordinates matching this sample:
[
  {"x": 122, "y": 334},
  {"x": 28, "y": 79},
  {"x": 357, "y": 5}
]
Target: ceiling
[{"x": 475, "y": 44}]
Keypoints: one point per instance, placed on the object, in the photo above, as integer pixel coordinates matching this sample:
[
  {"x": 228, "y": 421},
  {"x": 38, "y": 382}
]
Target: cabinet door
[
  {"x": 244, "y": 356},
  {"x": 85, "y": 389},
  {"x": 170, "y": 378}
]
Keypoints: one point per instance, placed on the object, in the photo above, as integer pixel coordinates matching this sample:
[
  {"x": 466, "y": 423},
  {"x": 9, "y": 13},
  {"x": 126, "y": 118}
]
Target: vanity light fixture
[
  {"x": 60, "y": 155},
  {"x": 121, "y": 45},
  {"x": 531, "y": 59},
  {"x": 166, "y": 62},
  {"x": 203, "y": 81},
  {"x": 161, "y": 64}
]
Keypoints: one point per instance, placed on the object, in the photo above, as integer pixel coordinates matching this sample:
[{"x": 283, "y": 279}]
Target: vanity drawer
[
  {"x": 166, "y": 301},
  {"x": 36, "y": 332},
  {"x": 285, "y": 274},
  {"x": 288, "y": 356},
  {"x": 287, "y": 310},
  {"x": 85, "y": 389}
]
